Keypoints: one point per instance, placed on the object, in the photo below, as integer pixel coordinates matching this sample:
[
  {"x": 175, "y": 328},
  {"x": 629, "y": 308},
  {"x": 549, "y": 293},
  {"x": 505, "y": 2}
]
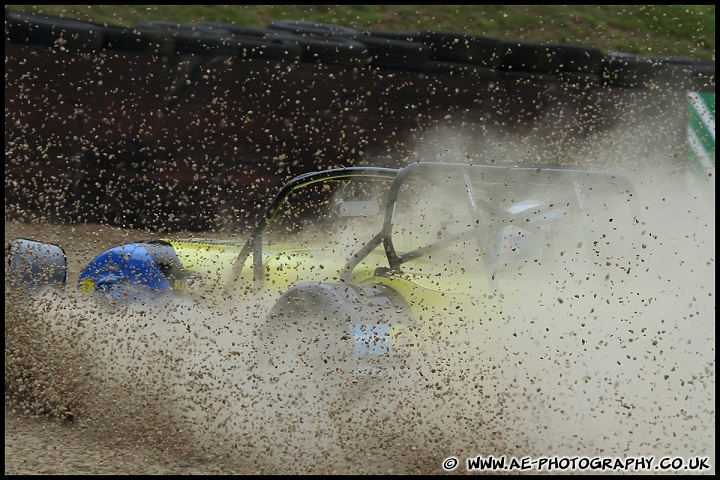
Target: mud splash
[{"x": 619, "y": 362}]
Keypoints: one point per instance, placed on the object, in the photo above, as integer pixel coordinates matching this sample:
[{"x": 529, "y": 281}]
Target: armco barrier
[{"x": 189, "y": 125}]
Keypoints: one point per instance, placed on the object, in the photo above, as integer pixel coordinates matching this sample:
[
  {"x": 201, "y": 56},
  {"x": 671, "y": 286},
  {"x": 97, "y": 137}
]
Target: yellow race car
[{"x": 364, "y": 265}]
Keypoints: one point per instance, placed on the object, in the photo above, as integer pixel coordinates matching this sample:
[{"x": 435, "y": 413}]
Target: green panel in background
[{"x": 701, "y": 133}]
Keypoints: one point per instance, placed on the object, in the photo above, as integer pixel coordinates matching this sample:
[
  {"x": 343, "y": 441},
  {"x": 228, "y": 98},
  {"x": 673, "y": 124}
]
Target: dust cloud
[{"x": 613, "y": 358}]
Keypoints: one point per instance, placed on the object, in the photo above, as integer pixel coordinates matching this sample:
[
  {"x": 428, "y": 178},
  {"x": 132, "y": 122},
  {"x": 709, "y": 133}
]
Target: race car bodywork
[{"x": 371, "y": 260}]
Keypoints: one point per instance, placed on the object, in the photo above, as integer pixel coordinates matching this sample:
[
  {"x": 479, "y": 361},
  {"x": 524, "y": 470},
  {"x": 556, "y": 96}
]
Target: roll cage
[{"x": 472, "y": 182}]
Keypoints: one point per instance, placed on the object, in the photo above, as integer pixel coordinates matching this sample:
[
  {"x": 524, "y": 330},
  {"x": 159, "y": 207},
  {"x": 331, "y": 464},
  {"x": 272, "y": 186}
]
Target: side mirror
[{"x": 33, "y": 265}]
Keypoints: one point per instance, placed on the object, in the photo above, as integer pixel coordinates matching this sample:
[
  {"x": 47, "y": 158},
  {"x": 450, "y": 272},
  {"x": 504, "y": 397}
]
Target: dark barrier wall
[{"x": 195, "y": 126}]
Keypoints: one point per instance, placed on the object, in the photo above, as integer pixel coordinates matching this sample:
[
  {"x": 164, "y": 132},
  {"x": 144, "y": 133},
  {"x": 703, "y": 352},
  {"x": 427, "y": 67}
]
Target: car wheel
[
  {"x": 324, "y": 350},
  {"x": 305, "y": 342},
  {"x": 351, "y": 335}
]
